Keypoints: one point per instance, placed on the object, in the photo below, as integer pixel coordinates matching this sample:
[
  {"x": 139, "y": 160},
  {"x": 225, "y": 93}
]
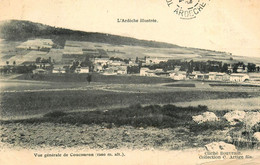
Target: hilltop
[{"x": 17, "y": 30}]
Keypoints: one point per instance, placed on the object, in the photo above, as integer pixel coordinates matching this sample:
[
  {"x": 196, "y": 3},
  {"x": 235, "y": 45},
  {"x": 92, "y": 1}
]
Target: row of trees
[
  {"x": 17, "y": 69},
  {"x": 119, "y": 59},
  {"x": 189, "y": 66},
  {"x": 208, "y": 66}
]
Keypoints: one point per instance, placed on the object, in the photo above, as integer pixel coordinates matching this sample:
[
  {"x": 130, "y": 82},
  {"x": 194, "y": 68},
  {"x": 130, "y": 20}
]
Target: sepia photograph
[{"x": 150, "y": 82}]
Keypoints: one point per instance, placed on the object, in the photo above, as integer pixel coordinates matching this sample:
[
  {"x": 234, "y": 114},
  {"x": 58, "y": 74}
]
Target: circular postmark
[{"x": 187, "y": 9}]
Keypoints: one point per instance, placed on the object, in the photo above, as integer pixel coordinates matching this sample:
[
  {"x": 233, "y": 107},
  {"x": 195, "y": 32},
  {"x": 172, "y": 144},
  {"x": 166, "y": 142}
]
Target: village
[
  {"x": 72, "y": 92},
  {"x": 78, "y": 59}
]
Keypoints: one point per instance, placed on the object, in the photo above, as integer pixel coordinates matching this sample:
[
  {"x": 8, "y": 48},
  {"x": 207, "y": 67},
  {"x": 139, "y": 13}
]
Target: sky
[{"x": 223, "y": 25}]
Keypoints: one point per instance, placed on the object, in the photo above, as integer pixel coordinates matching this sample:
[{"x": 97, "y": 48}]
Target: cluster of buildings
[
  {"x": 216, "y": 76},
  {"x": 176, "y": 74},
  {"x": 80, "y": 57},
  {"x": 108, "y": 66},
  {"x": 100, "y": 65}
]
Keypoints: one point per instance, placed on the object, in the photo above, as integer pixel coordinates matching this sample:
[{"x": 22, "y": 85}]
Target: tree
[
  {"x": 38, "y": 59},
  {"x": 251, "y": 67},
  {"x": 224, "y": 68},
  {"x": 67, "y": 69},
  {"x": 14, "y": 63},
  {"x": 236, "y": 65},
  {"x": 133, "y": 69},
  {"x": 136, "y": 60},
  {"x": 86, "y": 63},
  {"x": 89, "y": 78},
  {"x": 190, "y": 67},
  {"x": 126, "y": 61}
]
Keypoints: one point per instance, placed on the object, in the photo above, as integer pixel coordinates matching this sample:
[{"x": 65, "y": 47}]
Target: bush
[
  {"x": 256, "y": 128},
  {"x": 167, "y": 116}
]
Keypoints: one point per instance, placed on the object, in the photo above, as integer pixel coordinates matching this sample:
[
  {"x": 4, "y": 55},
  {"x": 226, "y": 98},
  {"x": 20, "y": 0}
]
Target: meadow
[
  {"x": 95, "y": 77},
  {"x": 41, "y": 102},
  {"x": 38, "y": 95},
  {"x": 114, "y": 112}
]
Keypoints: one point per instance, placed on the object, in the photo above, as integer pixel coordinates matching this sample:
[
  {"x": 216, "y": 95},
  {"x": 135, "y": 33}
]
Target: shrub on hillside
[{"x": 167, "y": 116}]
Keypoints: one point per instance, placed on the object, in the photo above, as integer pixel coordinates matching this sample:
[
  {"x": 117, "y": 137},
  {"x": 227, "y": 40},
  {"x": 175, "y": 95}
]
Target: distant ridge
[{"x": 23, "y": 30}]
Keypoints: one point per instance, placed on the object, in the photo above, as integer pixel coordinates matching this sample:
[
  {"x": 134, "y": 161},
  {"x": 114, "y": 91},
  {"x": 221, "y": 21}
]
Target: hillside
[
  {"x": 17, "y": 34},
  {"x": 16, "y": 30}
]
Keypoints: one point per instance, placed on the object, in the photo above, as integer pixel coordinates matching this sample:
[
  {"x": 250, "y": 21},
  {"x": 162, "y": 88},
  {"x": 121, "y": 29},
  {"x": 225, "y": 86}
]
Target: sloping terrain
[
  {"x": 16, "y": 30},
  {"x": 17, "y": 34}
]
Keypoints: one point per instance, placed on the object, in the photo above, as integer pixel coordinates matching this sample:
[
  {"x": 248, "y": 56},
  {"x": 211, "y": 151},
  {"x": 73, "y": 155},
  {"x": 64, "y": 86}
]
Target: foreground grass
[
  {"x": 137, "y": 116},
  {"x": 154, "y": 126},
  {"x": 32, "y": 103},
  {"x": 135, "y": 127},
  {"x": 167, "y": 116}
]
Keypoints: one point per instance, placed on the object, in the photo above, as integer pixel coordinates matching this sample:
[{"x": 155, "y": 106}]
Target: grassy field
[
  {"x": 180, "y": 85},
  {"x": 71, "y": 92},
  {"x": 115, "y": 112},
  {"x": 31, "y": 103},
  {"x": 108, "y": 79}
]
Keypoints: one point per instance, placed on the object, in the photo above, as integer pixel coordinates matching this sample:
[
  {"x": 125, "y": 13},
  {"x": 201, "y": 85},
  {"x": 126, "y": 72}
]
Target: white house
[
  {"x": 151, "y": 73},
  {"x": 236, "y": 77},
  {"x": 199, "y": 76},
  {"x": 240, "y": 69},
  {"x": 101, "y": 61},
  {"x": 193, "y": 75},
  {"x": 131, "y": 63},
  {"x": 230, "y": 68},
  {"x": 84, "y": 70},
  {"x": 98, "y": 68},
  {"x": 122, "y": 70},
  {"x": 77, "y": 70},
  {"x": 155, "y": 60},
  {"x": 40, "y": 71},
  {"x": 143, "y": 71},
  {"x": 222, "y": 77},
  {"x": 110, "y": 71},
  {"x": 181, "y": 75},
  {"x": 42, "y": 65},
  {"x": 216, "y": 76},
  {"x": 117, "y": 63},
  {"x": 212, "y": 76},
  {"x": 59, "y": 70}
]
